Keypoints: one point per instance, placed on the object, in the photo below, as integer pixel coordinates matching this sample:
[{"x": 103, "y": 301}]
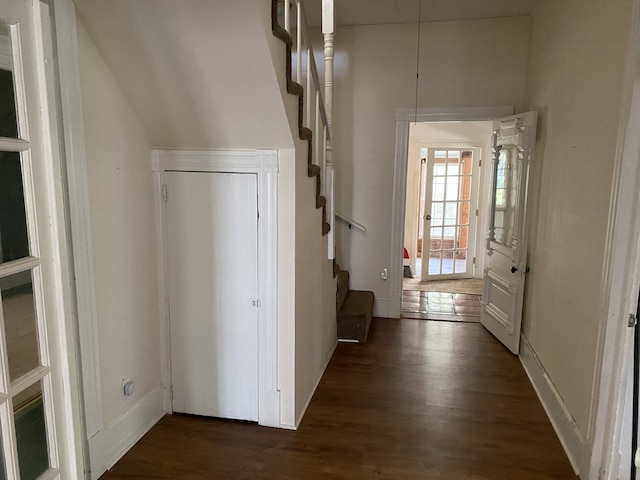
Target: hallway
[{"x": 421, "y": 400}]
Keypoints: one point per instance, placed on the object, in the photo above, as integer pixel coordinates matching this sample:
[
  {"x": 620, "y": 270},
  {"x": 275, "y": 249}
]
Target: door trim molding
[
  {"x": 88, "y": 418},
  {"x": 264, "y": 163},
  {"x": 405, "y": 115}
]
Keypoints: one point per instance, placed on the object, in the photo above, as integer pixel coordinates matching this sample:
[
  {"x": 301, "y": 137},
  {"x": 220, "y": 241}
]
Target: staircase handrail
[{"x": 350, "y": 222}]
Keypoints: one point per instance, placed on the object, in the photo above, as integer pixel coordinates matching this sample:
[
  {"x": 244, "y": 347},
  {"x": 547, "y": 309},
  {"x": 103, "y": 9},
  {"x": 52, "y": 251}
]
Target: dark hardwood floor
[{"x": 421, "y": 400}]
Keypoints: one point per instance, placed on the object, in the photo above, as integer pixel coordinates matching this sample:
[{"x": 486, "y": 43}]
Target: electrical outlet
[
  {"x": 127, "y": 387},
  {"x": 384, "y": 274}
]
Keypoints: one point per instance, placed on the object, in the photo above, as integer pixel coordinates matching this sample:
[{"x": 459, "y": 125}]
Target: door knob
[
  {"x": 514, "y": 269},
  {"x": 427, "y": 217}
]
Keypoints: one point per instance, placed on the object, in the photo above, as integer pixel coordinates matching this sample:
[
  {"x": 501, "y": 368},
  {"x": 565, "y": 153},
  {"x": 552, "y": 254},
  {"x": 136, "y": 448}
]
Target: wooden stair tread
[
  {"x": 358, "y": 302},
  {"x": 354, "y": 310}
]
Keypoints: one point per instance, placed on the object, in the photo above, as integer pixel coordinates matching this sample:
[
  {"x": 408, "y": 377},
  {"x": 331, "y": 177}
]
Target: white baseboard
[
  {"x": 110, "y": 443},
  {"x": 315, "y": 387},
  {"x": 381, "y": 307},
  {"x": 573, "y": 441}
]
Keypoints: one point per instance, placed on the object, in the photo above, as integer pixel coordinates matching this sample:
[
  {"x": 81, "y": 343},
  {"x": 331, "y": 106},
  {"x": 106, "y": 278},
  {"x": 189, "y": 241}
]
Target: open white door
[{"x": 506, "y": 243}]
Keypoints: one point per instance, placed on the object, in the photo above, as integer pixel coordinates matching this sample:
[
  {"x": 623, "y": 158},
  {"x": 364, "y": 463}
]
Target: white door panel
[
  {"x": 506, "y": 243},
  {"x": 212, "y": 250}
]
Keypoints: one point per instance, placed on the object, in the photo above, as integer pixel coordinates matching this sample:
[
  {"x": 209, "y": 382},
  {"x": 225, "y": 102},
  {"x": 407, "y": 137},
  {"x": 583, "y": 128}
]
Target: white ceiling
[{"x": 372, "y": 12}]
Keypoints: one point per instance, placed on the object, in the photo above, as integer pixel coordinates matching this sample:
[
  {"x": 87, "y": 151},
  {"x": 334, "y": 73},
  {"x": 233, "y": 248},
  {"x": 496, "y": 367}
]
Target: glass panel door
[
  {"x": 448, "y": 227},
  {"x": 25, "y": 377}
]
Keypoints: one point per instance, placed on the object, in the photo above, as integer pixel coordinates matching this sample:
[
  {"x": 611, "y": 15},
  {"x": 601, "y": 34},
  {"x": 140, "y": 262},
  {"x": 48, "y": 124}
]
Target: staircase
[
  {"x": 354, "y": 308},
  {"x": 305, "y": 133}
]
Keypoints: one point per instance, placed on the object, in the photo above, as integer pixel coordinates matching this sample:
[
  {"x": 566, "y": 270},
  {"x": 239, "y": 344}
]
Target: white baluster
[
  {"x": 317, "y": 138},
  {"x": 328, "y": 28},
  {"x": 328, "y": 32},
  {"x": 308, "y": 94},
  {"x": 299, "y": 42},
  {"x": 331, "y": 247},
  {"x": 287, "y": 15}
]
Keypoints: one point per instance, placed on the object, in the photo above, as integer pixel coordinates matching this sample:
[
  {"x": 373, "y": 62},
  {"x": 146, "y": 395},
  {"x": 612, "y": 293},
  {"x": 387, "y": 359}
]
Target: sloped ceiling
[
  {"x": 373, "y": 12},
  {"x": 198, "y": 73}
]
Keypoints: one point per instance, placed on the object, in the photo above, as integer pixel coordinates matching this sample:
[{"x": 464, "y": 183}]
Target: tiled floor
[{"x": 453, "y": 307}]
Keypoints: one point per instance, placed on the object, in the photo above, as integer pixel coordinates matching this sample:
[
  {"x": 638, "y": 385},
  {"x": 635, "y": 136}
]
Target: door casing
[
  {"x": 404, "y": 116},
  {"x": 264, "y": 163}
]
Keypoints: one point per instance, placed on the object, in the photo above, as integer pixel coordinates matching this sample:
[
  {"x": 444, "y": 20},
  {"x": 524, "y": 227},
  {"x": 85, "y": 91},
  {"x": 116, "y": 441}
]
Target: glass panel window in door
[
  {"x": 14, "y": 242},
  {"x": 505, "y": 196},
  {"x": 19, "y": 314},
  {"x": 8, "y": 117},
  {"x": 31, "y": 434}
]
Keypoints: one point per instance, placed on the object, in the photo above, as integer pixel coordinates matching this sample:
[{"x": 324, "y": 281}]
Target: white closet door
[{"x": 212, "y": 249}]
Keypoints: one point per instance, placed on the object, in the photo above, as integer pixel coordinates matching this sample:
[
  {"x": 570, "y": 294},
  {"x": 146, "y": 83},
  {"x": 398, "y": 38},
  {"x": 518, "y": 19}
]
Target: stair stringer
[
  {"x": 315, "y": 331},
  {"x": 303, "y": 133}
]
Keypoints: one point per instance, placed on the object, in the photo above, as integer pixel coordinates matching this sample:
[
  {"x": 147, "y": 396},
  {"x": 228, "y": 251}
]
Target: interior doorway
[
  {"x": 444, "y": 207},
  {"x": 444, "y": 220}
]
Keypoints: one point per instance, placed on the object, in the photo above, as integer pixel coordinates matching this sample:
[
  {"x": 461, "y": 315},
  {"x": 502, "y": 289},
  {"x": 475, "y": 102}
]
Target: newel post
[{"x": 328, "y": 28}]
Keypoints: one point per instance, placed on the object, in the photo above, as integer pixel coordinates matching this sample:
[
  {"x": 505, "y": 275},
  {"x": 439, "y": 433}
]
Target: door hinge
[
  {"x": 165, "y": 192},
  {"x": 476, "y": 212},
  {"x": 480, "y": 163},
  {"x": 171, "y": 393},
  {"x": 256, "y": 303},
  {"x": 474, "y": 260},
  {"x": 633, "y": 320}
]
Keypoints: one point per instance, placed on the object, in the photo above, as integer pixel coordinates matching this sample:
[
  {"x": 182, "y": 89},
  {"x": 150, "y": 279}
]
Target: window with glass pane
[
  {"x": 3, "y": 468},
  {"x": 505, "y": 195},
  {"x": 8, "y": 117},
  {"x": 20, "y": 325},
  {"x": 31, "y": 433},
  {"x": 14, "y": 242}
]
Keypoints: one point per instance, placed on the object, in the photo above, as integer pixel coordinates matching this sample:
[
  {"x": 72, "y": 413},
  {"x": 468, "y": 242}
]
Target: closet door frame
[{"x": 264, "y": 163}]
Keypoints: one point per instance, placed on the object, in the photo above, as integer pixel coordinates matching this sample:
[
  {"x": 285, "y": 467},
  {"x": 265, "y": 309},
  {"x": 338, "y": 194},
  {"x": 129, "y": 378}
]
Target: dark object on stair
[
  {"x": 354, "y": 310},
  {"x": 407, "y": 265}
]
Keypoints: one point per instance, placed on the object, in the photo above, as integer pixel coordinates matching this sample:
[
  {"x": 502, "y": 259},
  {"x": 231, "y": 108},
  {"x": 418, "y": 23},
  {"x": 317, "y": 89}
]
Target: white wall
[
  {"x": 123, "y": 232},
  {"x": 198, "y": 73},
  {"x": 315, "y": 307},
  {"x": 469, "y": 134},
  {"x": 462, "y": 64},
  {"x": 576, "y": 74}
]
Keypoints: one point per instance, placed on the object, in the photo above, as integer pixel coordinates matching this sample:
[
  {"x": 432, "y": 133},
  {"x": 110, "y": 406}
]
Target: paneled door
[
  {"x": 36, "y": 439},
  {"x": 449, "y": 213},
  {"x": 212, "y": 237},
  {"x": 506, "y": 243}
]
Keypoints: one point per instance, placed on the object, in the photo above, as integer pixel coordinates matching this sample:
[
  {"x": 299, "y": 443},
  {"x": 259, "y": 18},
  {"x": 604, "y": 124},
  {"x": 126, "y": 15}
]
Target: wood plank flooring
[
  {"x": 421, "y": 400},
  {"x": 450, "y": 307}
]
